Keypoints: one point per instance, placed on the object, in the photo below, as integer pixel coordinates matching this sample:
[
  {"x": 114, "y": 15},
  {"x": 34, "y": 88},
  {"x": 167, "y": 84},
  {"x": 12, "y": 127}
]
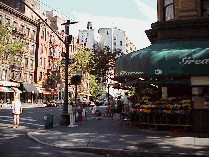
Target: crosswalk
[
  {"x": 6, "y": 122},
  {"x": 23, "y": 121}
]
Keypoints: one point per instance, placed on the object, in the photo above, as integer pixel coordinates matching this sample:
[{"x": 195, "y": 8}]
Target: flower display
[
  {"x": 167, "y": 111},
  {"x": 186, "y": 104}
]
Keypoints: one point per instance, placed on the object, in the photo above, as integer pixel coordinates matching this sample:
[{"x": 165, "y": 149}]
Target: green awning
[{"x": 166, "y": 58}]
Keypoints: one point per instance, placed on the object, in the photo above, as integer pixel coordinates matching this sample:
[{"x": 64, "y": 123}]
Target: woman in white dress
[{"x": 16, "y": 110}]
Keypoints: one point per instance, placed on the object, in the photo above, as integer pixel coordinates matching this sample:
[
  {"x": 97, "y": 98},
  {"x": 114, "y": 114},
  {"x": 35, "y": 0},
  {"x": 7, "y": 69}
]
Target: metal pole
[
  {"x": 108, "y": 94},
  {"x": 65, "y": 117},
  {"x": 76, "y": 94}
]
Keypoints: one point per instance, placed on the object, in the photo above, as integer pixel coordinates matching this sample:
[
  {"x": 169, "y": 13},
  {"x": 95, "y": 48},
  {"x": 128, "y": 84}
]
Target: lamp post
[{"x": 65, "y": 116}]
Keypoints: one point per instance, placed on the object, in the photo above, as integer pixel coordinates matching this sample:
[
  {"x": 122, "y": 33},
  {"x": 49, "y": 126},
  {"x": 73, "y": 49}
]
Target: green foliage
[
  {"x": 82, "y": 58},
  {"x": 10, "y": 48},
  {"x": 96, "y": 88},
  {"x": 102, "y": 60}
]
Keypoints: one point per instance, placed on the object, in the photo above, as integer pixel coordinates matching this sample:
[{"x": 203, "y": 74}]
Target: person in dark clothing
[{"x": 119, "y": 107}]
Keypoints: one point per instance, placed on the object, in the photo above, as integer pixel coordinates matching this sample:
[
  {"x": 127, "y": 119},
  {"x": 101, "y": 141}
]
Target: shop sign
[
  {"x": 158, "y": 72},
  {"x": 125, "y": 73},
  {"x": 188, "y": 60}
]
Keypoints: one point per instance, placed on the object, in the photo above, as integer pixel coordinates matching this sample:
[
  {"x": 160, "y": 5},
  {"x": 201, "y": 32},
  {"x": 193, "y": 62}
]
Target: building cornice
[{"x": 17, "y": 13}]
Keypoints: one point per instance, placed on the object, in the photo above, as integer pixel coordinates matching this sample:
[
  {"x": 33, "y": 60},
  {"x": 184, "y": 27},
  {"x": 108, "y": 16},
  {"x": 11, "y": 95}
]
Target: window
[
  {"x": 26, "y": 62},
  {"x": 15, "y": 25},
  {"x": 31, "y": 63},
  {"x": 7, "y": 21},
  {"x": 28, "y": 32},
  {"x": 31, "y": 78},
  {"x": 44, "y": 63},
  {"x": 168, "y": 10},
  {"x": 121, "y": 43},
  {"x": 32, "y": 49},
  {"x": 41, "y": 49},
  {"x": 3, "y": 75},
  {"x": 21, "y": 27},
  {"x": 114, "y": 43},
  {"x": 40, "y": 64},
  {"x": 205, "y": 8},
  {"x": 42, "y": 34},
  {"x": 107, "y": 33},
  {"x": 17, "y": 5},
  {"x": 25, "y": 77},
  {"x": 40, "y": 76},
  {"x": 33, "y": 35}
]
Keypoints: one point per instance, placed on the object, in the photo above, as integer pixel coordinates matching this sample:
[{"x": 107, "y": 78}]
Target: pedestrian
[
  {"x": 119, "y": 107},
  {"x": 112, "y": 107},
  {"x": 16, "y": 110},
  {"x": 125, "y": 102},
  {"x": 108, "y": 110}
]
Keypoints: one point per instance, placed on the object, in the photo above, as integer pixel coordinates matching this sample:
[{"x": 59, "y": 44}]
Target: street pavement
[
  {"x": 24, "y": 105},
  {"x": 111, "y": 138},
  {"x": 104, "y": 137}
]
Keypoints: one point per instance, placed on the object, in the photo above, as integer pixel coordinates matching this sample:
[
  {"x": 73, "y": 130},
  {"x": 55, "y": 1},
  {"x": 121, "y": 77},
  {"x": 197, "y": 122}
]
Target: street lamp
[{"x": 65, "y": 116}]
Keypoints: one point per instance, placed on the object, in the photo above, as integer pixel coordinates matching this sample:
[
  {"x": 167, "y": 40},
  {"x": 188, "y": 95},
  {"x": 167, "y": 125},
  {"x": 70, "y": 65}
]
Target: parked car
[
  {"x": 50, "y": 104},
  {"x": 59, "y": 102},
  {"x": 77, "y": 100},
  {"x": 91, "y": 103},
  {"x": 103, "y": 102}
]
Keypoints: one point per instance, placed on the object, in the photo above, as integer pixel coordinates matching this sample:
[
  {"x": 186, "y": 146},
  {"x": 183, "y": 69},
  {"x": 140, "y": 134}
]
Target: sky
[{"x": 131, "y": 16}]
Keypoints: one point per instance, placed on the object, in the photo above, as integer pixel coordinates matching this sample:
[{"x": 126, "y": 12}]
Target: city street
[{"x": 16, "y": 143}]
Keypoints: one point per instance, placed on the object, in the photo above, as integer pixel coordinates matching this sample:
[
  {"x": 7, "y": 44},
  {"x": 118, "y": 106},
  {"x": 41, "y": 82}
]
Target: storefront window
[
  {"x": 205, "y": 8},
  {"x": 168, "y": 10}
]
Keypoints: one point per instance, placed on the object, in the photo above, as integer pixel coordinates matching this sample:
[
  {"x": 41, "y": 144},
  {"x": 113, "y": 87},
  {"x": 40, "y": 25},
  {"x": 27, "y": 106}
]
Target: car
[
  {"x": 59, "y": 102},
  {"x": 91, "y": 103},
  {"x": 77, "y": 100},
  {"x": 50, "y": 104},
  {"x": 103, "y": 102}
]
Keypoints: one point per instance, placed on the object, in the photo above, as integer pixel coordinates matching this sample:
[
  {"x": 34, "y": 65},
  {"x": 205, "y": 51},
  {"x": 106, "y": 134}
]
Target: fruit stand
[{"x": 165, "y": 112}]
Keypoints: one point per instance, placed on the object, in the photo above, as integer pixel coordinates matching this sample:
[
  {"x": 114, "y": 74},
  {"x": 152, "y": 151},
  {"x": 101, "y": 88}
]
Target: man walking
[{"x": 125, "y": 102}]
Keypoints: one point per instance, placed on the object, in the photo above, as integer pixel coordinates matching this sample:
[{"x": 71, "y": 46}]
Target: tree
[
  {"x": 96, "y": 88},
  {"x": 103, "y": 60},
  {"x": 82, "y": 58},
  {"x": 11, "y": 46}
]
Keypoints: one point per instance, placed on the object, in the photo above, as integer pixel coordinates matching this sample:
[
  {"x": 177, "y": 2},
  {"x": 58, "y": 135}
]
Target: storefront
[
  {"x": 7, "y": 90},
  {"x": 177, "y": 72},
  {"x": 29, "y": 93}
]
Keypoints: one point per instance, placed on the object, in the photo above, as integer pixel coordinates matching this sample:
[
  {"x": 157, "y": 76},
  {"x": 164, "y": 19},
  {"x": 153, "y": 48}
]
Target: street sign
[
  {"x": 63, "y": 61},
  {"x": 69, "y": 62}
]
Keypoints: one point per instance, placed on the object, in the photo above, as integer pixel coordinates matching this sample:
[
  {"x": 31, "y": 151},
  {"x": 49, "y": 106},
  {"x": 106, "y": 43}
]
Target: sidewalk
[{"x": 109, "y": 137}]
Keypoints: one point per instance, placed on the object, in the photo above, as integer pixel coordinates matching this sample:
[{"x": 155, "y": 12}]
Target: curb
[{"x": 111, "y": 152}]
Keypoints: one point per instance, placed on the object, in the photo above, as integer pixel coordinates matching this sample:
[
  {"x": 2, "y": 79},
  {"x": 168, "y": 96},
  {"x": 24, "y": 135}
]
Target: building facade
[
  {"x": 129, "y": 46},
  {"x": 113, "y": 38},
  {"x": 86, "y": 37}
]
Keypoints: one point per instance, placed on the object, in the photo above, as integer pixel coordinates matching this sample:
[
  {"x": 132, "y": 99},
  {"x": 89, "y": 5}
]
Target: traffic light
[{"x": 76, "y": 79}]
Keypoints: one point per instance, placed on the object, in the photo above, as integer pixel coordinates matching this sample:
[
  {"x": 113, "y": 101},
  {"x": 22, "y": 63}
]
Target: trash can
[{"x": 48, "y": 120}]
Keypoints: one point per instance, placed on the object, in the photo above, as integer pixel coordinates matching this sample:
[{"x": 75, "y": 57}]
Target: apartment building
[
  {"x": 86, "y": 37},
  {"x": 129, "y": 46},
  {"x": 26, "y": 29},
  {"x": 113, "y": 38}
]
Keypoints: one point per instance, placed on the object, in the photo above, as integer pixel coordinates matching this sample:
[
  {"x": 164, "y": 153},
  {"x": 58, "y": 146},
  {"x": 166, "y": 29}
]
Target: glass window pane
[
  {"x": 166, "y": 2},
  {"x": 205, "y": 7},
  {"x": 169, "y": 13}
]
